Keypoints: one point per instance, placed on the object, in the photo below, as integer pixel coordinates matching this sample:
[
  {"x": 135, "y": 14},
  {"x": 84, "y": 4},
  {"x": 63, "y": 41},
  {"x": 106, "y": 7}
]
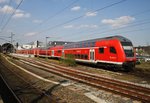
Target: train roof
[
  {"x": 92, "y": 41},
  {"x": 120, "y": 38}
]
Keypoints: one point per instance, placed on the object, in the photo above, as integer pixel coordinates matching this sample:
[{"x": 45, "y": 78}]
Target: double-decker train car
[
  {"x": 114, "y": 51},
  {"x": 56, "y": 51}
]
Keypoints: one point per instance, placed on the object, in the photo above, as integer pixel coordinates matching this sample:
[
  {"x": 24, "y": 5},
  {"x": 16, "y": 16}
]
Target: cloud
[
  {"x": 21, "y": 15},
  {"x": 37, "y": 21},
  {"x": 31, "y": 34},
  {"x": 87, "y": 26},
  {"x": 68, "y": 26},
  {"x": 118, "y": 22},
  {"x": 7, "y": 9},
  {"x": 6, "y": 1},
  {"x": 91, "y": 14},
  {"x": 81, "y": 26},
  {"x": 18, "y": 14},
  {"x": 75, "y": 8},
  {"x": 3, "y": 1}
]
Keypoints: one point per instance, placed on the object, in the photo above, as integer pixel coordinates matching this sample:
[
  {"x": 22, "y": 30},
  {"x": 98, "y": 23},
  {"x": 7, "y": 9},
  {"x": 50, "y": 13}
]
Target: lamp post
[
  {"x": 46, "y": 45},
  {"x": 11, "y": 40}
]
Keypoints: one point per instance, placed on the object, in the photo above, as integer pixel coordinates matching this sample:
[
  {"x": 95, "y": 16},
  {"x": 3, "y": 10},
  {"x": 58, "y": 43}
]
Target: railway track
[
  {"x": 17, "y": 98},
  {"x": 10, "y": 93},
  {"x": 122, "y": 88}
]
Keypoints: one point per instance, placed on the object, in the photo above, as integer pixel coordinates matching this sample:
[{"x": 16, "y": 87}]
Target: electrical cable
[
  {"x": 4, "y": 39},
  {"x": 95, "y": 11},
  {"x": 11, "y": 16},
  {"x": 124, "y": 26},
  {"x": 121, "y": 1},
  {"x": 3, "y": 17},
  {"x": 106, "y": 31},
  {"x": 57, "y": 13},
  {"x": 79, "y": 17}
]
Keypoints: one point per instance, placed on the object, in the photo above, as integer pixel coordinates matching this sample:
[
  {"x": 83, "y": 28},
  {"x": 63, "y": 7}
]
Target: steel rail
[
  {"x": 96, "y": 82},
  {"x": 15, "y": 98},
  {"x": 41, "y": 91},
  {"x": 113, "y": 81}
]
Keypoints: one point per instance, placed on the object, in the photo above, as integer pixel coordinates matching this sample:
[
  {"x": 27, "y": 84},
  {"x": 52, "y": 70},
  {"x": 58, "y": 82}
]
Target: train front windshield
[{"x": 128, "y": 49}]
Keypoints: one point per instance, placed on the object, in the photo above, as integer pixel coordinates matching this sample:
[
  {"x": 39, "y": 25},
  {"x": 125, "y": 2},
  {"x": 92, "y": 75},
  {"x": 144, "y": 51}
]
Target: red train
[{"x": 114, "y": 51}]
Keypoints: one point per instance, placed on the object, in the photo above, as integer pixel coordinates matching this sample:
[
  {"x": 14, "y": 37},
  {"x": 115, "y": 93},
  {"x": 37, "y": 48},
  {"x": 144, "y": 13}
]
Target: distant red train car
[
  {"x": 56, "y": 51},
  {"x": 115, "y": 51}
]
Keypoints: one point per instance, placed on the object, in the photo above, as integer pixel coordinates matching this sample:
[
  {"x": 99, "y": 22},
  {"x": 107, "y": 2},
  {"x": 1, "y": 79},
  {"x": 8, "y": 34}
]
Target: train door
[
  {"x": 34, "y": 52},
  {"x": 92, "y": 54},
  {"x": 38, "y": 52},
  {"x": 52, "y": 52}
]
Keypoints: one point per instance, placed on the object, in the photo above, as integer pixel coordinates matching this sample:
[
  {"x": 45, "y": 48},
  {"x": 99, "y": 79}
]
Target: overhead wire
[
  {"x": 4, "y": 36},
  {"x": 11, "y": 15},
  {"x": 99, "y": 32},
  {"x": 62, "y": 10},
  {"x": 142, "y": 12},
  {"x": 132, "y": 30},
  {"x": 139, "y": 13},
  {"x": 4, "y": 15},
  {"x": 57, "y": 13},
  {"x": 94, "y": 11},
  {"x": 4, "y": 39},
  {"x": 50, "y": 17},
  {"x": 112, "y": 30},
  {"x": 79, "y": 17}
]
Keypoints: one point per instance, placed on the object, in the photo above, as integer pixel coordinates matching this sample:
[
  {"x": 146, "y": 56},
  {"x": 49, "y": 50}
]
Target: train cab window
[
  {"x": 101, "y": 50},
  {"x": 112, "y": 50}
]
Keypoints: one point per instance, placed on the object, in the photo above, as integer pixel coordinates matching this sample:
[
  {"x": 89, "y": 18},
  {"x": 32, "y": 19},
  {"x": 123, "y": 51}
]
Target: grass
[
  {"x": 144, "y": 67},
  {"x": 69, "y": 60}
]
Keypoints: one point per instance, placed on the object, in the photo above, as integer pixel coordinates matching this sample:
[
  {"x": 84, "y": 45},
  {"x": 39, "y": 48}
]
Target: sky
[{"x": 74, "y": 20}]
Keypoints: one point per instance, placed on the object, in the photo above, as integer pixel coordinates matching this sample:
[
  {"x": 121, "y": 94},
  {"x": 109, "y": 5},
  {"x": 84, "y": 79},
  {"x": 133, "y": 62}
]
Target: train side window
[
  {"x": 84, "y": 44},
  {"x": 81, "y": 56},
  {"x": 93, "y": 44},
  {"x": 101, "y": 50},
  {"x": 86, "y": 57},
  {"x": 88, "y": 44},
  {"x": 80, "y": 45},
  {"x": 112, "y": 50},
  {"x": 59, "y": 51},
  {"x": 78, "y": 55}
]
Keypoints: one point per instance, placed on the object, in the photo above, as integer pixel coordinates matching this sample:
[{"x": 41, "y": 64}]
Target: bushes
[{"x": 69, "y": 60}]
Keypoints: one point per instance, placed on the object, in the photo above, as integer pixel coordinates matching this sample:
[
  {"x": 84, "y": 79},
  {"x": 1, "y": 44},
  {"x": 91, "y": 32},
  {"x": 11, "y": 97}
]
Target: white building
[{"x": 30, "y": 45}]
